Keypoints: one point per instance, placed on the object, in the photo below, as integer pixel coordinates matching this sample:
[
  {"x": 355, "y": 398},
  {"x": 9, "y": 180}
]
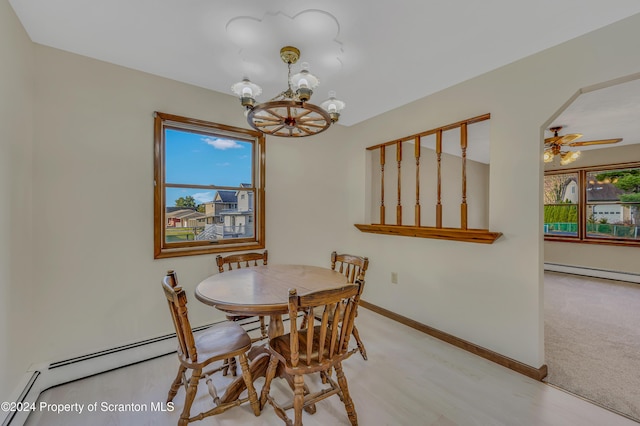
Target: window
[
  {"x": 603, "y": 205},
  {"x": 561, "y": 205},
  {"x": 208, "y": 187}
]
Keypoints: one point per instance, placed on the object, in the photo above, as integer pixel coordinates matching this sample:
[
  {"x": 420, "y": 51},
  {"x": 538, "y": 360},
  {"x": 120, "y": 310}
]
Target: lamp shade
[
  {"x": 246, "y": 89},
  {"x": 304, "y": 79},
  {"x": 332, "y": 104}
]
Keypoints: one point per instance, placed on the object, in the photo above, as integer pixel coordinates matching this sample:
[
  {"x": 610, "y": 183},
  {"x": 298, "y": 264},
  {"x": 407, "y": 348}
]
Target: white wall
[
  {"x": 608, "y": 258},
  {"x": 16, "y": 109},
  {"x": 488, "y": 294},
  {"x": 97, "y": 283}
]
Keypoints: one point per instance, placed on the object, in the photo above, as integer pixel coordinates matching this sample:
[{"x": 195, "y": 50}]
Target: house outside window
[
  {"x": 201, "y": 168},
  {"x": 599, "y": 205}
]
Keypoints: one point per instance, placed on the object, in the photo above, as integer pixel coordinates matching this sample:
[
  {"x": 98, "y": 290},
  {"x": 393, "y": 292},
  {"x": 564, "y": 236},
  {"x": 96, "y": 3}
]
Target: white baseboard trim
[
  {"x": 46, "y": 375},
  {"x": 593, "y": 272}
]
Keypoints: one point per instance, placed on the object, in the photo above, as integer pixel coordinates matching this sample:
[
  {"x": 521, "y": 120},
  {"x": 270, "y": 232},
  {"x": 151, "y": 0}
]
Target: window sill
[
  {"x": 605, "y": 242},
  {"x": 481, "y": 236}
]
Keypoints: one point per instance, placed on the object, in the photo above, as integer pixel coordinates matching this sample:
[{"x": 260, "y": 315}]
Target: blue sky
[{"x": 193, "y": 158}]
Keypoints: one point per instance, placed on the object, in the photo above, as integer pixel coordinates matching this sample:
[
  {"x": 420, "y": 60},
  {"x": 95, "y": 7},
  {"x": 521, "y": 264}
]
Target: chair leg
[
  {"x": 348, "y": 403},
  {"x": 225, "y": 367},
  {"x": 303, "y": 324},
  {"x": 191, "y": 394},
  {"x": 363, "y": 351},
  {"x": 271, "y": 372},
  {"x": 176, "y": 383},
  {"x": 229, "y": 364},
  {"x": 263, "y": 328},
  {"x": 298, "y": 399},
  {"x": 248, "y": 381}
]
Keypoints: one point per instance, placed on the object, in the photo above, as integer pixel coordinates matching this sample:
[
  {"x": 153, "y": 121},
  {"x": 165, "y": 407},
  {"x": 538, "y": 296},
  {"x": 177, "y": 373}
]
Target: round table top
[{"x": 264, "y": 290}]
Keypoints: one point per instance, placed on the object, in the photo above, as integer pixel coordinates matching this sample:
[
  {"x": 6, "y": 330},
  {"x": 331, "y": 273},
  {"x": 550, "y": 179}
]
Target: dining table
[{"x": 263, "y": 291}]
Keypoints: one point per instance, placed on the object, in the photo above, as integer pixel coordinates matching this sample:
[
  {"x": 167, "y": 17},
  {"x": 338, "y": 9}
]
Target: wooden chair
[
  {"x": 353, "y": 268},
  {"x": 316, "y": 349},
  {"x": 196, "y": 352},
  {"x": 238, "y": 261}
]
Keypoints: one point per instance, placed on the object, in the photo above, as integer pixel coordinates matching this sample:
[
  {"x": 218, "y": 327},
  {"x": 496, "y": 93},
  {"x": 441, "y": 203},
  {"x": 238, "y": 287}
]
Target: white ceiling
[
  {"x": 607, "y": 113},
  {"x": 376, "y": 55}
]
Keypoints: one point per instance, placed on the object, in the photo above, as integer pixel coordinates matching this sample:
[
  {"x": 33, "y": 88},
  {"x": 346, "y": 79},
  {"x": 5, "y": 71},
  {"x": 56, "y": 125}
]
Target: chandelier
[{"x": 289, "y": 114}]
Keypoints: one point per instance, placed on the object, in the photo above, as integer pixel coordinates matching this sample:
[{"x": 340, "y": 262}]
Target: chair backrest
[
  {"x": 331, "y": 338},
  {"x": 352, "y": 267},
  {"x": 240, "y": 260},
  {"x": 177, "y": 300}
]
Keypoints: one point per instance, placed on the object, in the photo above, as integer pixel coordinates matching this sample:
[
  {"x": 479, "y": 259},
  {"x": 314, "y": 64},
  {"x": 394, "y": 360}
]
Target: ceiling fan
[{"x": 554, "y": 145}]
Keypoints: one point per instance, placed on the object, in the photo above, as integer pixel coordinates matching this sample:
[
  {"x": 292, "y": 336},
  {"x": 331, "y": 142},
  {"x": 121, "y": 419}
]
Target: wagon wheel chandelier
[{"x": 289, "y": 114}]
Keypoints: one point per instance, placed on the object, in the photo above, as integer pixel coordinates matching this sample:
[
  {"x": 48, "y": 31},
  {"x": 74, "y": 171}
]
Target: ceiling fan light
[
  {"x": 548, "y": 156},
  {"x": 569, "y": 157}
]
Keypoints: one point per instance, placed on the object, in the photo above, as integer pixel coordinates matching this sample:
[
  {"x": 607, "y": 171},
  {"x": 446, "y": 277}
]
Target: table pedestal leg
[{"x": 276, "y": 326}]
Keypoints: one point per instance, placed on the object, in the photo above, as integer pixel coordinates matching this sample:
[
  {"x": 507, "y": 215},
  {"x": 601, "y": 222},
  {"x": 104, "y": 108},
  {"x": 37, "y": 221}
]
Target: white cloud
[
  {"x": 222, "y": 144},
  {"x": 203, "y": 197},
  {"x": 223, "y": 164}
]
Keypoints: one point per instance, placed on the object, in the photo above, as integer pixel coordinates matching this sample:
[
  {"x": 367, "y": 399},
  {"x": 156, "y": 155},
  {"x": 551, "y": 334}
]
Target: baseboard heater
[
  {"x": 593, "y": 272},
  {"x": 47, "y": 375},
  {"x": 44, "y": 376}
]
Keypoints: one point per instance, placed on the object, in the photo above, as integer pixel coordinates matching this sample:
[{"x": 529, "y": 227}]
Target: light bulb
[
  {"x": 303, "y": 83},
  {"x": 247, "y": 92}
]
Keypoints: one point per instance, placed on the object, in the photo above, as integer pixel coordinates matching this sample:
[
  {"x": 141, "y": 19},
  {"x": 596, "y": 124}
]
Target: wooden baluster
[
  {"x": 417, "y": 155},
  {"x": 463, "y": 146},
  {"x": 399, "y": 160},
  {"x": 382, "y": 209},
  {"x": 439, "y": 160}
]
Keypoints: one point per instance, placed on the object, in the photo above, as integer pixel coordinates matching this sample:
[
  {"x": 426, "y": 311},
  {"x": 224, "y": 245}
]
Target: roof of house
[
  {"x": 603, "y": 192},
  {"x": 225, "y": 197},
  {"x": 176, "y": 208},
  {"x": 185, "y": 213}
]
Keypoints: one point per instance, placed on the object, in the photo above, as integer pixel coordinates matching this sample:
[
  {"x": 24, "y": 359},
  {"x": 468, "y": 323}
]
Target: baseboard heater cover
[
  {"x": 593, "y": 272},
  {"x": 44, "y": 376},
  {"x": 21, "y": 398},
  {"x": 47, "y": 375}
]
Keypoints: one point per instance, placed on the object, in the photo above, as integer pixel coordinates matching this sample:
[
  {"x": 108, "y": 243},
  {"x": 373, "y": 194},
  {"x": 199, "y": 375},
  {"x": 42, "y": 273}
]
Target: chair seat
[{"x": 219, "y": 341}]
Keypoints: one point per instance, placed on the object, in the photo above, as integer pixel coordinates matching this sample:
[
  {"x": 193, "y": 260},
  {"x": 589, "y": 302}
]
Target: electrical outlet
[{"x": 394, "y": 278}]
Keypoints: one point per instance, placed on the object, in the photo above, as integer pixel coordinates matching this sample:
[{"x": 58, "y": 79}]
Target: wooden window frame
[
  {"x": 582, "y": 237},
  {"x": 164, "y": 249}
]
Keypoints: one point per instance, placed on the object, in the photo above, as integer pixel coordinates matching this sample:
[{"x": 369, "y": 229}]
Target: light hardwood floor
[{"x": 409, "y": 379}]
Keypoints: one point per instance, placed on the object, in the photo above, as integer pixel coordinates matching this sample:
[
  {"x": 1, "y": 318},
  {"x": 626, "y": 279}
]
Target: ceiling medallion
[{"x": 289, "y": 114}]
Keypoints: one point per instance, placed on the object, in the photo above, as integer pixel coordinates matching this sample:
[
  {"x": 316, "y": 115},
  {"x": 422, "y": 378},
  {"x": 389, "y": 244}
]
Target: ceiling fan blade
[
  {"x": 598, "y": 142},
  {"x": 569, "y": 138},
  {"x": 561, "y": 140},
  {"x": 551, "y": 140}
]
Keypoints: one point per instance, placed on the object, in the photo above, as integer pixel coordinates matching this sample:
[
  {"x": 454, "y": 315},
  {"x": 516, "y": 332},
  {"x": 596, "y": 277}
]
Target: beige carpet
[{"x": 592, "y": 339}]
